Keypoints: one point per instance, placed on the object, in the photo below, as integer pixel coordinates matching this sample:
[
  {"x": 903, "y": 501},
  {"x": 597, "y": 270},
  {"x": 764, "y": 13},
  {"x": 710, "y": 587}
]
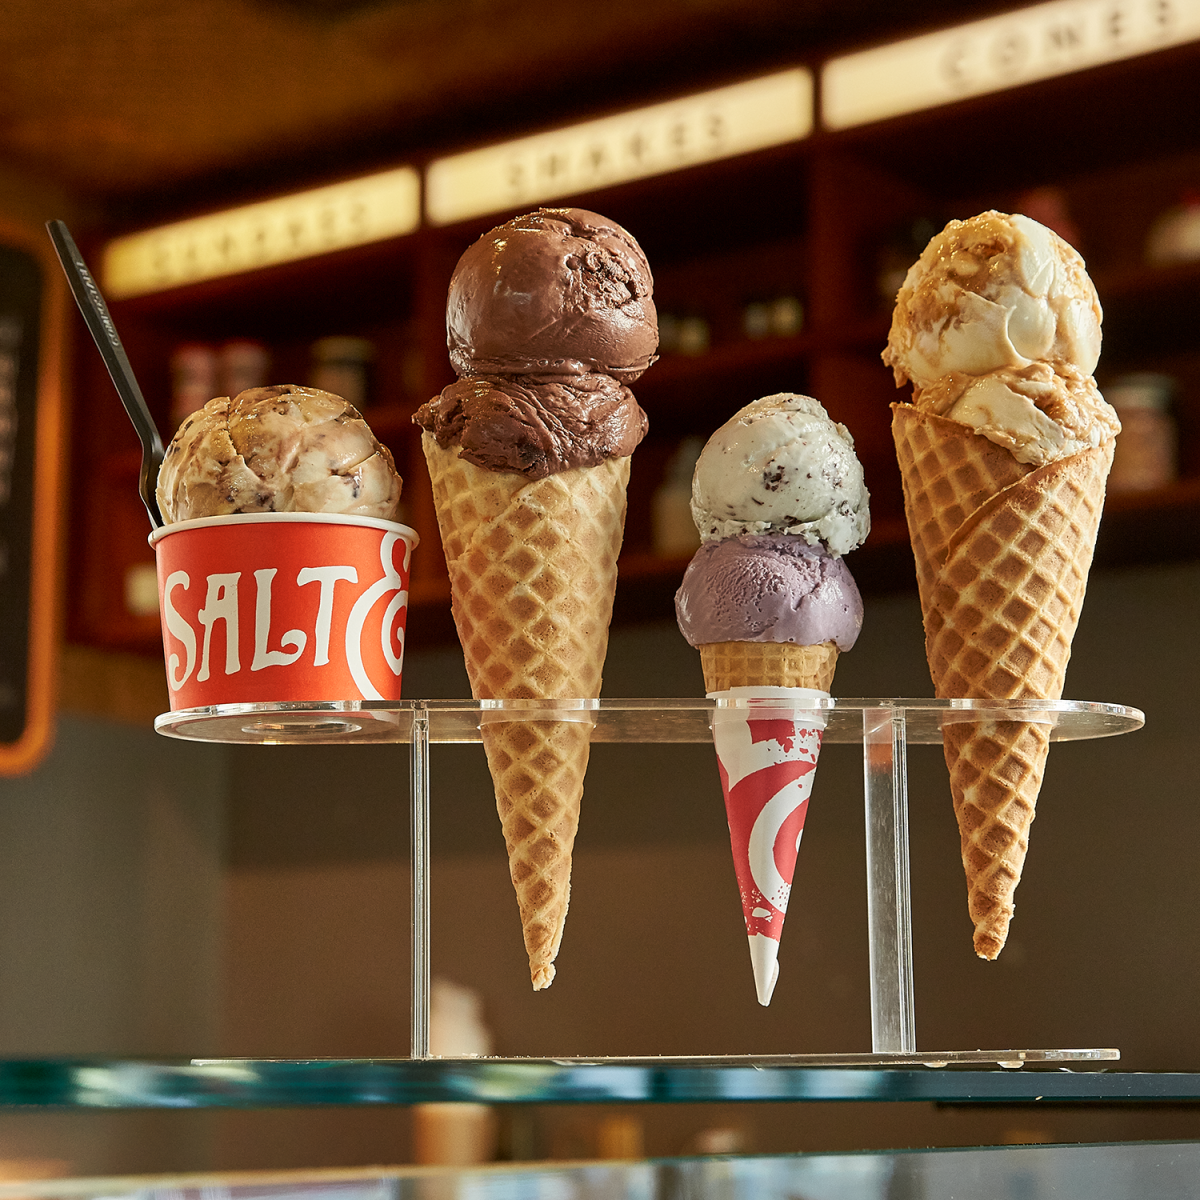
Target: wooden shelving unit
[{"x": 810, "y": 219}]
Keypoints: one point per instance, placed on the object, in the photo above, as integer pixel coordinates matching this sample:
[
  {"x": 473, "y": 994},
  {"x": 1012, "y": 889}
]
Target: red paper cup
[{"x": 279, "y": 607}]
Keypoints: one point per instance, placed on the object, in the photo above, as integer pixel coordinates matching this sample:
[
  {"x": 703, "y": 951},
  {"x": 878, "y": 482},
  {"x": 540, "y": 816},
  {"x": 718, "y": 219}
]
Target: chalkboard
[{"x": 29, "y": 455}]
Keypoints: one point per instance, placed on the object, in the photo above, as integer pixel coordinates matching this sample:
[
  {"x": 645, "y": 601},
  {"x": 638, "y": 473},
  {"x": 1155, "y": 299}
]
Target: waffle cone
[
  {"x": 767, "y": 664},
  {"x": 1003, "y": 551},
  {"x": 533, "y": 570}
]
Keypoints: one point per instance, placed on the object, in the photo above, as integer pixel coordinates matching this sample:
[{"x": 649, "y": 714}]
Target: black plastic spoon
[{"x": 95, "y": 314}]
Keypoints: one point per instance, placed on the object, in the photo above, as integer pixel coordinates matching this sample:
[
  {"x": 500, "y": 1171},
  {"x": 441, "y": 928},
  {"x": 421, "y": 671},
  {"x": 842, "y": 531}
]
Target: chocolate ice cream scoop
[
  {"x": 559, "y": 291},
  {"x": 536, "y": 426},
  {"x": 277, "y": 449}
]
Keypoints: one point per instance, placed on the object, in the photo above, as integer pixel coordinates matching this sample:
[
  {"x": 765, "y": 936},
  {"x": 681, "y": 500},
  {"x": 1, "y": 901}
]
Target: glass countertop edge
[
  {"x": 679, "y": 720},
  {"x": 129, "y": 1084},
  {"x": 994, "y": 1170}
]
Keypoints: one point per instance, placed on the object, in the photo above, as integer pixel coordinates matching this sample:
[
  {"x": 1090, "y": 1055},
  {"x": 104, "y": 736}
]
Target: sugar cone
[
  {"x": 768, "y": 664},
  {"x": 1003, "y": 551},
  {"x": 533, "y": 570}
]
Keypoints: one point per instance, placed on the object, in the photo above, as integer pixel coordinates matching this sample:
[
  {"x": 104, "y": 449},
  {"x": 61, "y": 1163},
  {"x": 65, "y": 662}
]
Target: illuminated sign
[
  {"x": 997, "y": 53},
  {"x": 259, "y": 235},
  {"x": 631, "y": 145}
]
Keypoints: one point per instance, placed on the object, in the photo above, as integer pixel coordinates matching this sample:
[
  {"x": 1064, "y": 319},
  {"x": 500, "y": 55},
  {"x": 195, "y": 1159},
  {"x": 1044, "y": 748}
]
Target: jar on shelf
[
  {"x": 141, "y": 590},
  {"x": 194, "y": 380},
  {"x": 244, "y": 363},
  {"x": 786, "y": 316},
  {"x": 1146, "y": 450},
  {"x": 673, "y": 530},
  {"x": 668, "y": 332},
  {"x": 342, "y": 365},
  {"x": 453, "y": 1133},
  {"x": 693, "y": 335},
  {"x": 756, "y": 320},
  {"x": 782, "y": 316},
  {"x": 1175, "y": 236},
  {"x": 900, "y": 248}
]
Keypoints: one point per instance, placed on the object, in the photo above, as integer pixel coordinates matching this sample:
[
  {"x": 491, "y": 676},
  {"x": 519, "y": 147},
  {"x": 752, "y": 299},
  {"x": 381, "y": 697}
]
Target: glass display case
[{"x": 1151, "y": 1171}]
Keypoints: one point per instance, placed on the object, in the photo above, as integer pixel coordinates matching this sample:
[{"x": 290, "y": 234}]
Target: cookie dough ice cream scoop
[
  {"x": 780, "y": 465},
  {"x": 277, "y": 449}
]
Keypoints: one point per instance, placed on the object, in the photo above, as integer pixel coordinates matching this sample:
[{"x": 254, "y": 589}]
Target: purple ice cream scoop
[{"x": 768, "y": 588}]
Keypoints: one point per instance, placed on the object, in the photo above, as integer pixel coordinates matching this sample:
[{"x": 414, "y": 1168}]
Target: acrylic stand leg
[
  {"x": 889, "y": 908},
  {"x": 419, "y": 807}
]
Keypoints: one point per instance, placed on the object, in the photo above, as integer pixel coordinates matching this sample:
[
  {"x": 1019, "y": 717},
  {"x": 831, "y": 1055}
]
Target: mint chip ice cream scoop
[{"x": 781, "y": 465}]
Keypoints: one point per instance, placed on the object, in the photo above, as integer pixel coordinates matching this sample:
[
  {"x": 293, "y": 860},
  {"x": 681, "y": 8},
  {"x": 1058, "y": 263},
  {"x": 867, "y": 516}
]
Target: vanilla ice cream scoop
[
  {"x": 992, "y": 293},
  {"x": 781, "y": 465},
  {"x": 277, "y": 449}
]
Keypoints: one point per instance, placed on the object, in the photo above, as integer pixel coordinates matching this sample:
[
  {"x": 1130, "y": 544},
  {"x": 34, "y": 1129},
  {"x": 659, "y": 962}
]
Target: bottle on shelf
[
  {"x": 243, "y": 363},
  {"x": 342, "y": 365},
  {"x": 1146, "y": 451},
  {"x": 193, "y": 380},
  {"x": 674, "y": 531},
  {"x": 1175, "y": 235}
]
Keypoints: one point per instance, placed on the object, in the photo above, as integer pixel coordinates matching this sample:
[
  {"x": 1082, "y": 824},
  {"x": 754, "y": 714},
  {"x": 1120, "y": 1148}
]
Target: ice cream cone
[
  {"x": 948, "y": 471},
  {"x": 1003, "y": 551},
  {"x": 533, "y": 570},
  {"x": 767, "y": 758},
  {"x": 769, "y": 664}
]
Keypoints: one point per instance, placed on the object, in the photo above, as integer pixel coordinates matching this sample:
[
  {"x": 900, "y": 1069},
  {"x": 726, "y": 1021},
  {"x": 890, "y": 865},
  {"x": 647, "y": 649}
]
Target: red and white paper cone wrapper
[
  {"x": 767, "y": 758},
  {"x": 283, "y": 607}
]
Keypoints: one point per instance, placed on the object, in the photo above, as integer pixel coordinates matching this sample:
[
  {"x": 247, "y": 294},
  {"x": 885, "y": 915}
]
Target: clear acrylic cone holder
[{"x": 884, "y": 727}]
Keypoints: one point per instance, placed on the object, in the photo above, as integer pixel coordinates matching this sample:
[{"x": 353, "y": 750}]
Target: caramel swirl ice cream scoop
[{"x": 997, "y": 326}]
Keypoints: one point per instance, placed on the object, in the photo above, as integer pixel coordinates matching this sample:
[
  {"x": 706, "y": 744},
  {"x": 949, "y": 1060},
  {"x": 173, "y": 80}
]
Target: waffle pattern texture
[
  {"x": 767, "y": 664},
  {"x": 1003, "y": 552},
  {"x": 533, "y": 571}
]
